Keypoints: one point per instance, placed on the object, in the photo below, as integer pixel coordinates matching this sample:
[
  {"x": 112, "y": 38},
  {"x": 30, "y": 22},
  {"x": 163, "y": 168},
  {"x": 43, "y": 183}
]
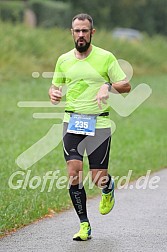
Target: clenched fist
[{"x": 55, "y": 94}]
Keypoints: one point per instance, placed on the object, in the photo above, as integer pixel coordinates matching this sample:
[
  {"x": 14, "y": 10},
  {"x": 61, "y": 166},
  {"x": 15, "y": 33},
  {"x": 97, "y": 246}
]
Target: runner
[{"x": 89, "y": 73}]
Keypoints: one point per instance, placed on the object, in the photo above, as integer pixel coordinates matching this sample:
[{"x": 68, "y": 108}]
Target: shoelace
[{"x": 105, "y": 198}]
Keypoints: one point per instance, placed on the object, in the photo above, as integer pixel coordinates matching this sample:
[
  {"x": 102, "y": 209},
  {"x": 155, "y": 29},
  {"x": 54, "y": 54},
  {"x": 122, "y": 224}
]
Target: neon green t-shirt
[{"x": 84, "y": 78}]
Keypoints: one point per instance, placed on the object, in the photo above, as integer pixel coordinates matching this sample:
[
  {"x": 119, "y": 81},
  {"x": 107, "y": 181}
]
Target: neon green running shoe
[
  {"x": 107, "y": 201},
  {"x": 84, "y": 232}
]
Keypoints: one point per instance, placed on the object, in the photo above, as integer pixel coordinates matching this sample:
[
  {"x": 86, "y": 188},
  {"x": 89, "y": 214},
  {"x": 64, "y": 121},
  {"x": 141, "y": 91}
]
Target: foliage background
[{"x": 148, "y": 16}]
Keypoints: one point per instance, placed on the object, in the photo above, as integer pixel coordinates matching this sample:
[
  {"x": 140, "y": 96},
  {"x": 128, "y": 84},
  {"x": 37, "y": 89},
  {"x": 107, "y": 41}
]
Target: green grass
[
  {"x": 138, "y": 144},
  {"x": 139, "y": 141}
]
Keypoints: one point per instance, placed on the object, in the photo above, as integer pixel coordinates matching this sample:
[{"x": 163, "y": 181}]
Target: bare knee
[{"x": 74, "y": 168}]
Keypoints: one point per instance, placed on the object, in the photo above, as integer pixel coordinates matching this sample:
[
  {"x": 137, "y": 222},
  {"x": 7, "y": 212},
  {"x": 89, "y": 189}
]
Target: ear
[
  {"x": 93, "y": 31},
  {"x": 72, "y": 32}
]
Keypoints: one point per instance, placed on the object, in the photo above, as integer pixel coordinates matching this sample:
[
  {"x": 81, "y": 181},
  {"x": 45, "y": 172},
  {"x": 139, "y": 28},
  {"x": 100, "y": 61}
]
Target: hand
[
  {"x": 55, "y": 94},
  {"x": 102, "y": 95}
]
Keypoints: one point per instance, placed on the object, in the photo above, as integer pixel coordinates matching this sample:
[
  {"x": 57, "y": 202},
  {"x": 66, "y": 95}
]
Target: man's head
[{"x": 82, "y": 31}]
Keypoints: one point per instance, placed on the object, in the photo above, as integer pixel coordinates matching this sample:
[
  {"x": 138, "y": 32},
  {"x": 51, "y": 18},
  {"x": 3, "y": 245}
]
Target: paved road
[{"x": 137, "y": 223}]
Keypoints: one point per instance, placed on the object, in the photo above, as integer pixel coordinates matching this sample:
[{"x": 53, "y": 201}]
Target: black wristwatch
[{"x": 109, "y": 85}]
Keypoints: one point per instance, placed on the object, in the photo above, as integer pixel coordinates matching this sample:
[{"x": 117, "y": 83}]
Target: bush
[
  {"x": 11, "y": 11},
  {"x": 48, "y": 13},
  {"x": 51, "y": 13}
]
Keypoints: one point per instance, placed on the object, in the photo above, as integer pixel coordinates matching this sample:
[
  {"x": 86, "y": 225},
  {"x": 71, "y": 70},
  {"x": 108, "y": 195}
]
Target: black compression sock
[
  {"x": 108, "y": 187},
  {"x": 78, "y": 197}
]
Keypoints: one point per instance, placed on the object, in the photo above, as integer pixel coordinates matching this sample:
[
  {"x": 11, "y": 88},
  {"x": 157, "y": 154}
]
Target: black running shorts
[{"x": 96, "y": 148}]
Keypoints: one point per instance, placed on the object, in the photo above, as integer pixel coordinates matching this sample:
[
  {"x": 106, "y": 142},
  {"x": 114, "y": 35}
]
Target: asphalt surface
[{"x": 138, "y": 222}]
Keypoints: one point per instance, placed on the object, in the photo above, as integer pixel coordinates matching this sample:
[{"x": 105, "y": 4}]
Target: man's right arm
[{"x": 55, "y": 94}]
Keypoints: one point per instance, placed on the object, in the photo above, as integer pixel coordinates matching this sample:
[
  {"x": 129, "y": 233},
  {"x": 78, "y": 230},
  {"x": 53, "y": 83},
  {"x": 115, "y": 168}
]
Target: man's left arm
[
  {"x": 117, "y": 87},
  {"x": 122, "y": 86}
]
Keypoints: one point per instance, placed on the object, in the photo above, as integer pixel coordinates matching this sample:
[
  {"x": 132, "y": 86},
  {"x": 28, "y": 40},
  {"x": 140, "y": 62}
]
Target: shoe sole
[{"x": 79, "y": 238}]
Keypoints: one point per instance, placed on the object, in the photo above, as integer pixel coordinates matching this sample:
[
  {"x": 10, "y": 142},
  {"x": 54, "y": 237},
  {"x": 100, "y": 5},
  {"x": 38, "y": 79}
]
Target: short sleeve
[
  {"x": 58, "y": 76},
  {"x": 115, "y": 72}
]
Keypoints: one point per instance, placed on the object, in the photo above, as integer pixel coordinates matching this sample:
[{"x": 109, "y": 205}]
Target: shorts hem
[
  {"x": 75, "y": 157},
  {"x": 98, "y": 167}
]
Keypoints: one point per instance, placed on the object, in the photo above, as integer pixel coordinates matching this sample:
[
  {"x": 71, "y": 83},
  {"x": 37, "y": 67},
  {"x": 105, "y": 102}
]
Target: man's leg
[
  {"x": 98, "y": 162},
  {"x": 76, "y": 189},
  {"x": 103, "y": 180},
  {"x": 78, "y": 197}
]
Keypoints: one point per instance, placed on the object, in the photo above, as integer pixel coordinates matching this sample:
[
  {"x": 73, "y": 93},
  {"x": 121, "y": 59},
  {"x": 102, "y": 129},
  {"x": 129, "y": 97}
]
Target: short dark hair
[{"x": 83, "y": 16}]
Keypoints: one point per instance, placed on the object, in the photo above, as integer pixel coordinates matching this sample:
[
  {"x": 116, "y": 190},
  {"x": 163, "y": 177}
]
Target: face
[{"x": 82, "y": 34}]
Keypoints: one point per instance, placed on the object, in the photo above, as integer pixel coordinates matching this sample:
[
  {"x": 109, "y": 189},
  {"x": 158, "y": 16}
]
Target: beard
[{"x": 83, "y": 47}]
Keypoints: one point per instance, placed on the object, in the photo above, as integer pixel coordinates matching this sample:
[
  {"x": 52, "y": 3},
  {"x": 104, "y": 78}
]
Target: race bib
[{"x": 82, "y": 124}]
